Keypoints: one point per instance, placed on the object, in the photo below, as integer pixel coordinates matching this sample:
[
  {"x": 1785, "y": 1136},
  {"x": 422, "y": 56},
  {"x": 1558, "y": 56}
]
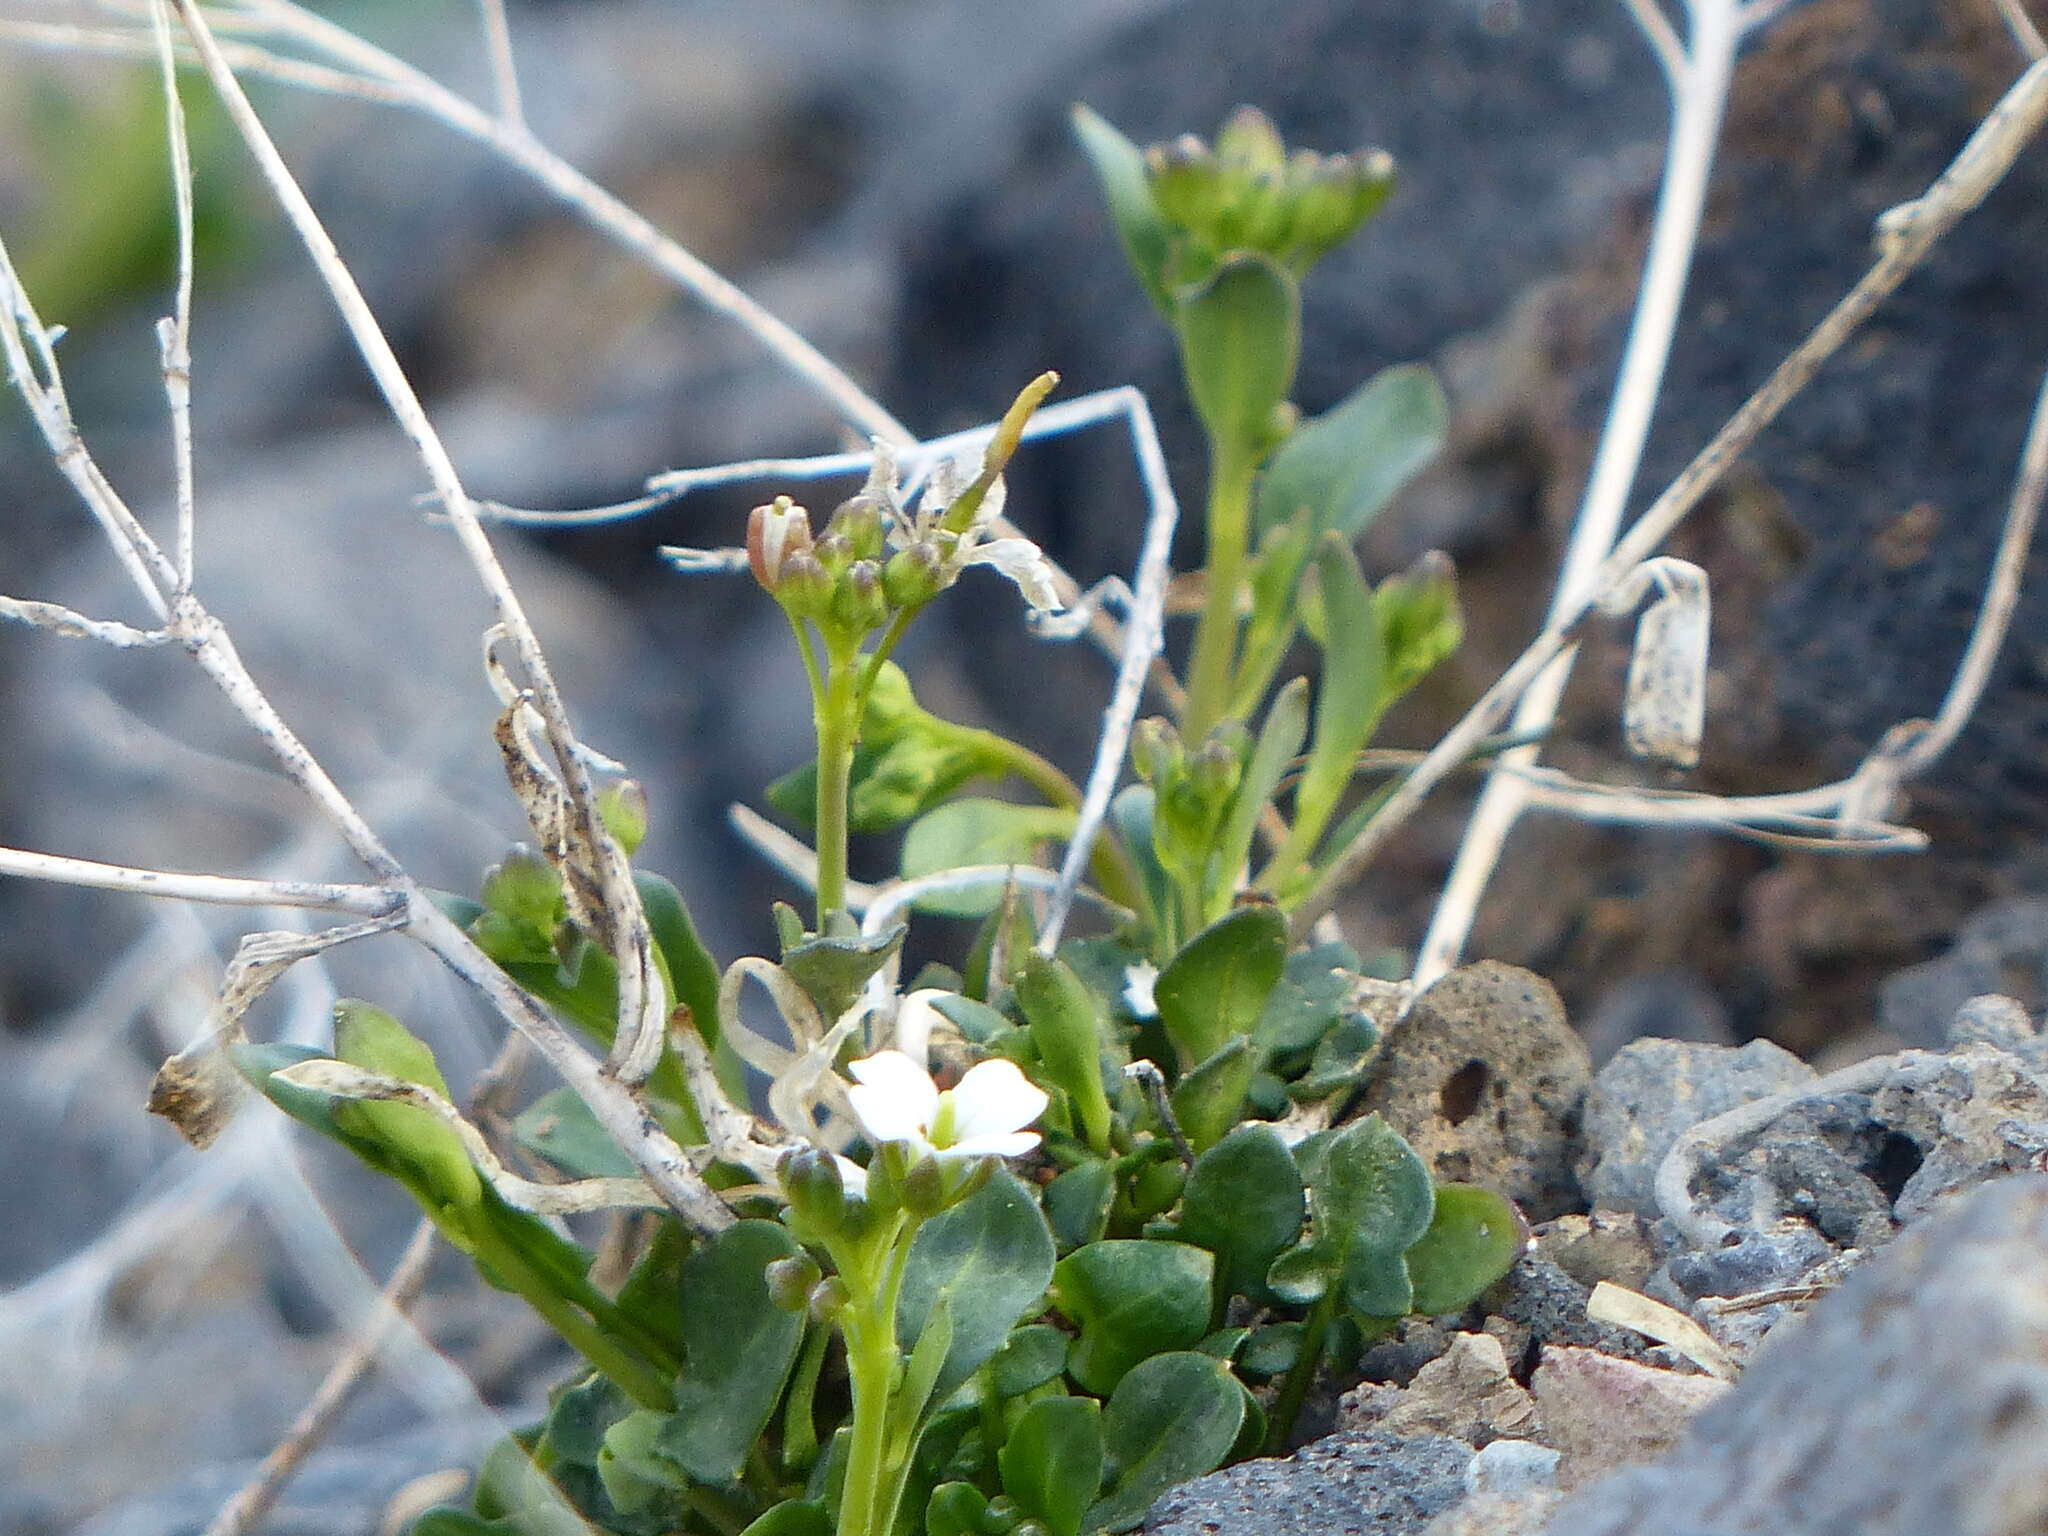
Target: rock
[
  {"x": 1348, "y": 1484},
  {"x": 1912, "y": 1401},
  {"x": 2003, "y": 948},
  {"x": 1465, "y": 1393},
  {"x": 1536, "y": 1304},
  {"x": 1655, "y": 1090},
  {"x": 1601, "y": 1413},
  {"x": 1512, "y": 1487},
  {"x": 1485, "y": 1077},
  {"x": 1838, "y": 1168},
  {"x": 1992, "y": 1020},
  {"x": 1605, "y": 1245}
]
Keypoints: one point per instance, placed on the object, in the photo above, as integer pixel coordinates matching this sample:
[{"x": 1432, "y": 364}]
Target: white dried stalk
[{"x": 1911, "y": 234}]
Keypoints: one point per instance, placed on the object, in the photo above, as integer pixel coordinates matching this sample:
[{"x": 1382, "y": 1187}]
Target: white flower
[
  {"x": 984, "y": 1116},
  {"x": 1017, "y": 559},
  {"x": 1139, "y": 977}
]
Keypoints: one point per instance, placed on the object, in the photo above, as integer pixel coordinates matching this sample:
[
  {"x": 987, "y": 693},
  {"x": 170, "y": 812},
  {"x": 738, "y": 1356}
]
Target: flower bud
[
  {"x": 923, "y": 1188},
  {"x": 1156, "y": 751},
  {"x": 806, "y": 585},
  {"x": 1214, "y": 771},
  {"x": 774, "y": 533},
  {"x": 828, "y": 1299},
  {"x": 914, "y": 575},
  {"x": 523, "y": 886},
  {"x": 816, "y": 1193},
  {"x": 861, "y": 522},
  {"x": 857, "y": 602},
  {"x": 834, "y": 552},
  {"x": 791, "y": 1281}
]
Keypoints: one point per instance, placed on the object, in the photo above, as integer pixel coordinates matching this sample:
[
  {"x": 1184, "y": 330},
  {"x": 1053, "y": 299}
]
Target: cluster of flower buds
[
  {"x": 877, "y": 558},
  {"x": 1248, "y": 193},
  {"x": 1192, "y": 791}
]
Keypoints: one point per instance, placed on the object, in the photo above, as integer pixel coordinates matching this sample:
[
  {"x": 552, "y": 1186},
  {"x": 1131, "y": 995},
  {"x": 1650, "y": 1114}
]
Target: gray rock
[
  {"x": 1511, "y": 1467},
  {"x": 1601, "y": 1413},
  {"x": 1913, "y": 1401},
  {"x": 1485, "y": 1078},
  {"x": 1346, "y": 1485},
  {"x": 2003, "y": 948},
  {"x": 1466, "y": 1393},
  {"x": 1836, "y": 1170},
  {"x": 1655, "y": 1090},
  {"x": 1536, "y": 1304}
]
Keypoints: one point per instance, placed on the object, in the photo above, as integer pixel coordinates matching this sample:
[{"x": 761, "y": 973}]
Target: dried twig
[
  {"x": 246, "y": 1510},
  {"x": 220, "y": 890},
  {"x": 1905, "y": 235}
]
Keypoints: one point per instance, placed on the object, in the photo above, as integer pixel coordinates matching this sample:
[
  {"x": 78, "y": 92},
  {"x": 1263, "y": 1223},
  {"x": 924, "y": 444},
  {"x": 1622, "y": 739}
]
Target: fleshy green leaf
[
  {"x": 1314, "y": 990},
  {"x": 975, "y": 831},
  {"x": 956, "y": 1509},
  {"x": 560, "y": 1127},
  {"x": 792, "y": 1517},
  {"x": 1210, "y": 1100},
  {"x": 833, "y": 970},
  {"x": 1280, "y": 739},
  {"x": 993, "y": 1255},
  {"x": 1473, "y": 1239},
  {"x": 1131, "y": 1298},
  {"x": 1420, "y": 620},
  {"x": 1077, "y": 1203},
  {"x": 1371, "y": 1198},
  {"x": 1343, "y": 466},
  {"x": 738, "y": 1349},
  {"x": 1218, "y": 983},
  {"x": 1067, "y": 1029},
  {"x": 1120, "y": 171},
  {"x": 1030, "y": 1357},
  {"x": 1173, "y": 1418},
  {"x": 1240, "y": 341},
  {"x": 1340, "y": 1060},
  {"x": 1244, "y": 1203},
  {"x": 1052, "y": 1464}
]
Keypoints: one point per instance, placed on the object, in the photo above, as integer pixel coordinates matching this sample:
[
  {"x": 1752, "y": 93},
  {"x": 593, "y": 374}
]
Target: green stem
[
  {"x": 634, "y": 1377},
  {"x": 799, "y": 1414},
  {"x": 1294, "y": 1390},
  {"x": 838, "y": 722},
  {"x": 1215, "y": 652}
]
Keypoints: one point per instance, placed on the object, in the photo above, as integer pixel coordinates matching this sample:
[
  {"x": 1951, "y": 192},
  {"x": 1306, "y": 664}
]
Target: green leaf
[
  {"x": 637, "y": 1478},
  {"x": 1077, "y": 1203},
  {"x": 957, "y": 1509},
  {"x": 693, "y": 973},
  {"x": 370, "y": 1038},
  {"x": 1131, "y": 812},
  {"x": 913, "y": 1394},
  {"x": 1218, "y": 983},
  {"x": 738, "y": 1349},
  {"x": 993, "y": 1254},
  {"x": 970, "y": 832},
  {"x": 579, "y": 1417},
  {"x": 1340, "y": 1060},
  {"x": 1302, "y": 1275},
  {"x": 1314, "y": 991},
  {"x": 792, "y": 1517},
  {"x": 1131, "y": 1298},
  {"x": 1244, "y": 1203},
  {"x": 1240, "y": 335},
  {"x": 1067, "y": 1029},
  {"x": 1371, "y": 1198},
  {"x": 1343, "y": 466},
  {"x": 1420, "y": 620},
  {"x": 833, "y": 970},
  {"x": 1030, "y": 1357},
  {"x": 1052, "y": 1464},
  {"x": 1173, "y": 1418},
  {"x": 1276, "y": 611},
  {"x": 1120, "y": 171},
  {"x": 1210, "y": 1100},
  {"x": 1271, "y": 1351},
  {"x": 560, "y": 1127},
  {"x": 1280, "y": 739},
  {"x": 1473, "y": 1239},
  {"x": 1349, "y": 702}
]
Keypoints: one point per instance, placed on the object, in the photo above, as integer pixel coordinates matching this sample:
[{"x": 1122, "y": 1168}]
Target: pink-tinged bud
[{"x": 774, "y": 533}]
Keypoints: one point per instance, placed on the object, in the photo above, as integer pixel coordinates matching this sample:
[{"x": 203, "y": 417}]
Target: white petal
[
  {"x": 993, "y": 1100},
  {"x": 915, "y": 1020},
  {"x": 992, "y": 504},
  {"x": 1025, "y": 564},
  {"x": 852, "y": 1175},
  {"x": 949, "y": 478},
  {"x": 1139, "y": 977},
  {"x": 1016, "y": 1144},
  {"x": 896, "y": 1098}
]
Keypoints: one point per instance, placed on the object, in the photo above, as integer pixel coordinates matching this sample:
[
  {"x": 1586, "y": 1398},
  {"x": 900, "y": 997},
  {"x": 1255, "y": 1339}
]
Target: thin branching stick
[
  {"x": 174, "y": 335},
  {"x": 1698, "y": 75},
  {"x": 219, "y": 890},
  {"x": 1905, "y": 234},
  {"x": 640, "y": 1012}
]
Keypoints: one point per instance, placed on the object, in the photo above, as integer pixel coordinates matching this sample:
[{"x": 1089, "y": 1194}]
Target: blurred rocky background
[{"x": 895, "y": 179}]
